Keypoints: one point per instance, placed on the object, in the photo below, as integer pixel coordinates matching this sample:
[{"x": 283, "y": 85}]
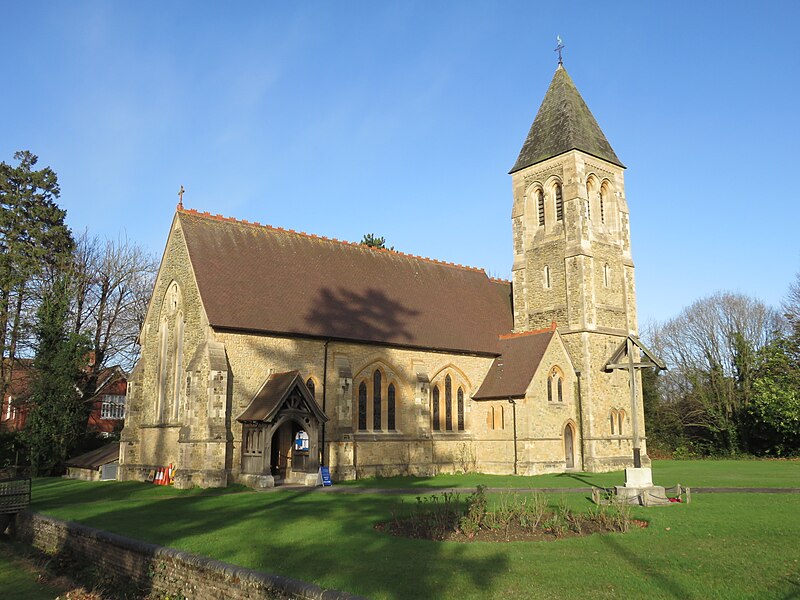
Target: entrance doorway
[
  {"x": 569, "y": 446},
  {"x": 289, "y": 450}
]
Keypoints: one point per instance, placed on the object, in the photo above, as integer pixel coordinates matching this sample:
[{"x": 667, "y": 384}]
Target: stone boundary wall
[{"x": 153, "y": 568}]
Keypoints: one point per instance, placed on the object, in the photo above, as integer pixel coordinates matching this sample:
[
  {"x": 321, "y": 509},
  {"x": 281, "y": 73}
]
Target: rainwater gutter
[
  {"x": 513, "y": 404},
  {"x": 324, "y": 393}
]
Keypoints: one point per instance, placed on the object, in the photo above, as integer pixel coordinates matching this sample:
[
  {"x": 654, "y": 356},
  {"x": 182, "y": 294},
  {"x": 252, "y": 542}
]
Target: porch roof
[{"x": 268, "y": 401}]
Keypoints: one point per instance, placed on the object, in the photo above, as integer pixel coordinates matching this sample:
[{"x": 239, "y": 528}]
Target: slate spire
[{"x": 563, "y": 123}]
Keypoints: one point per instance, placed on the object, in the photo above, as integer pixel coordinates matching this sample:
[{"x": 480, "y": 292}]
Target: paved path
[{"x": 345, "y": 489}]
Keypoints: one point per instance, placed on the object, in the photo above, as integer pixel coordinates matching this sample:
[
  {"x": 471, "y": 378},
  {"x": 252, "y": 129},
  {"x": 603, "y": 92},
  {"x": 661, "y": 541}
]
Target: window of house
[
  {"x": 112, "y": 407},
  {"x": 559, "y": 203}
]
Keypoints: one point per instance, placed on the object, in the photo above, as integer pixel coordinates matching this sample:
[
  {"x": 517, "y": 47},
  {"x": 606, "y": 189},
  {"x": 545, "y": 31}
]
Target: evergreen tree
[
  {"x": 32, "y": 236},
  {"x": 58, "y": 415}
]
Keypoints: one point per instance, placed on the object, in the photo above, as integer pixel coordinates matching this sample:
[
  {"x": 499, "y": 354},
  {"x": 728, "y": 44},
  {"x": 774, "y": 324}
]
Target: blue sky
[{"x": 403, "y": 119}]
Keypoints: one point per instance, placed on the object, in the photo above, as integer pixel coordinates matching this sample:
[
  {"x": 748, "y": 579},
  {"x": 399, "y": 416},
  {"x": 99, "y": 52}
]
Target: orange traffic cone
[{"x": 157, "y": 480}]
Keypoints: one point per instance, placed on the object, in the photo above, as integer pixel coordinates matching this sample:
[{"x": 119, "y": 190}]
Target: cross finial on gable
[{"x": 180, "y": 198}]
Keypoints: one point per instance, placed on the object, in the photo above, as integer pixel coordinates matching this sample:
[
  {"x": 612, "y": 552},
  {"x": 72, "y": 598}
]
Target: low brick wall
[{"x": 152, "y": 568}]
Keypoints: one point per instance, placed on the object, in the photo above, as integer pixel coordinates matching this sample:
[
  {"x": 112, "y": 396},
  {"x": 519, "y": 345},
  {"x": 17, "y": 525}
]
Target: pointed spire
[{"x": 563, "y": 123}]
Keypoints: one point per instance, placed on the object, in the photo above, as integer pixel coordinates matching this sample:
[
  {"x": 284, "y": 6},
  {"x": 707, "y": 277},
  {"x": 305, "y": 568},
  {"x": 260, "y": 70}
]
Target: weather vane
[
  {"x": 180, "y": 197},
  {"x": 558, "y": 49}
]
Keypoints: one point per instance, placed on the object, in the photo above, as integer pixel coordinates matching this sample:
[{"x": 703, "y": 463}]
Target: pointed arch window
[
  {"x": 362, "y": 407},
  {"x": 376, "y": 401},
  {"x": 559, "y": 203},
  {"x": 555, "y": 385},
  {"x": 613, "y": 419},
  {"x": 460, "y": 401},
  {"x": 435, "y": 409},
  {"x": 621, "y": 420},
  {"x": 390, "y": 407},
  {"x": 540, "y": 206},
  {"x": 606, "y": 275},
  {"x": 603, "y": 202},
  {"x": 448, "y": 403},
  {"x": 177, "y": 378}
]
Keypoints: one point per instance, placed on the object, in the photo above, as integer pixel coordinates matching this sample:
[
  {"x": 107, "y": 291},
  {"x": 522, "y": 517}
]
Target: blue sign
[{"x": 324, "y": 477}]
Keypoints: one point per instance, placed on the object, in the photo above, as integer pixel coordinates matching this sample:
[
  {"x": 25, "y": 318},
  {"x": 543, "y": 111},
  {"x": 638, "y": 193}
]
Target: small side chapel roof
[
  {"x": 269, "y": 280},
  {"x": 511, "y": 372},
  {"x": 563, "y": 123}
]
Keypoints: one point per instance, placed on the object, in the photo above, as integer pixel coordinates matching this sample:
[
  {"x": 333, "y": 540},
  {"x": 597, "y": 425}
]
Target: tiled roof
[
  {"x": 96, "y": 458},
  {"x": 511, "y": 372},
  {"x": 269, "y": 399},
  {"x": 265, "y": 279},
  {"x": 563, "y": 123}
]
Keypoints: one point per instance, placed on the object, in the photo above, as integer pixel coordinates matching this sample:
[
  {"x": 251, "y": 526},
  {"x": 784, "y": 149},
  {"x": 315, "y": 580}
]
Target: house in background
[
  {"x": 108, "y": 399},
  {"x": 108, "y": 409},
  {"x": 15, "y": 405}
]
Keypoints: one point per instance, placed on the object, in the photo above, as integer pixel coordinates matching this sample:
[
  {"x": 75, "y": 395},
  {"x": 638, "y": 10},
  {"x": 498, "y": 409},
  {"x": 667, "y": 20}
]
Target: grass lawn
[
  {"x": 719, "y": 546},
  {"x": 692, "y": 473},
  {"x": 18, "y": 581}
]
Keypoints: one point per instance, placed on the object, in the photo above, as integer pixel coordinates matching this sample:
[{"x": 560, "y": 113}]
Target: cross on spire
[
  {"x": 180, "y": 197},
  {"x": 559, "y": 48}
]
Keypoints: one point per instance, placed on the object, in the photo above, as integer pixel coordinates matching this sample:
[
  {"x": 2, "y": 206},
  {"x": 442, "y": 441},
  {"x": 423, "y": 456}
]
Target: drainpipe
[
  {"x": 324, "y": 394},
  {"x": 513, "y": 404},
  {"x": 580, "y": 421}
]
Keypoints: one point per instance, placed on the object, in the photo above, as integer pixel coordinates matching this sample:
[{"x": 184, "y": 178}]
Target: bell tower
[{"x": 572, "y": 259}]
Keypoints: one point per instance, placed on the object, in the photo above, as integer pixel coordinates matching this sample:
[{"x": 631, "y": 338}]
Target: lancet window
[
  {"x": 447, "y": 419},
  {"x": 376, "y": 402}
]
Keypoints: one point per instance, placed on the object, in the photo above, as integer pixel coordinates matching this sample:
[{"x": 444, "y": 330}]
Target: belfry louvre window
[
  {"x": 559, "y": 203},
  {"x": 540, "y": 206}
]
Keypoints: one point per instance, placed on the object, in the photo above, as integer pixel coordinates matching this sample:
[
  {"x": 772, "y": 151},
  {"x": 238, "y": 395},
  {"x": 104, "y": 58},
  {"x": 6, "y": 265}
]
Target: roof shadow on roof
[{"x": 369, "y": 316}]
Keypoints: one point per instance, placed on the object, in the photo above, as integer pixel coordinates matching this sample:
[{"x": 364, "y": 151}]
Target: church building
[{"x": 268, "y": 352}]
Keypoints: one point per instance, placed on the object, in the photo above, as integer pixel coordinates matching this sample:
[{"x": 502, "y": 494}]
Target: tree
[
  {"x": 113, "y": 281},
  {"x": 58, "y": 414},
  {"x": 775, "y": 409},
  {"x": 374, "y": 241},
  {"x": 711, "y": 348},
  {"x": 33, "y": 235}
]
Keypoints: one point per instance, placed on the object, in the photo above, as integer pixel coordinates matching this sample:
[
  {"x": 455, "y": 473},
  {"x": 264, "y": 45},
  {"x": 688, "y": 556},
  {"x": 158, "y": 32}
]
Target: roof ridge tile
[
  {"x": 510, "y": 336},
  {"x": 217, "y": 217}
]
